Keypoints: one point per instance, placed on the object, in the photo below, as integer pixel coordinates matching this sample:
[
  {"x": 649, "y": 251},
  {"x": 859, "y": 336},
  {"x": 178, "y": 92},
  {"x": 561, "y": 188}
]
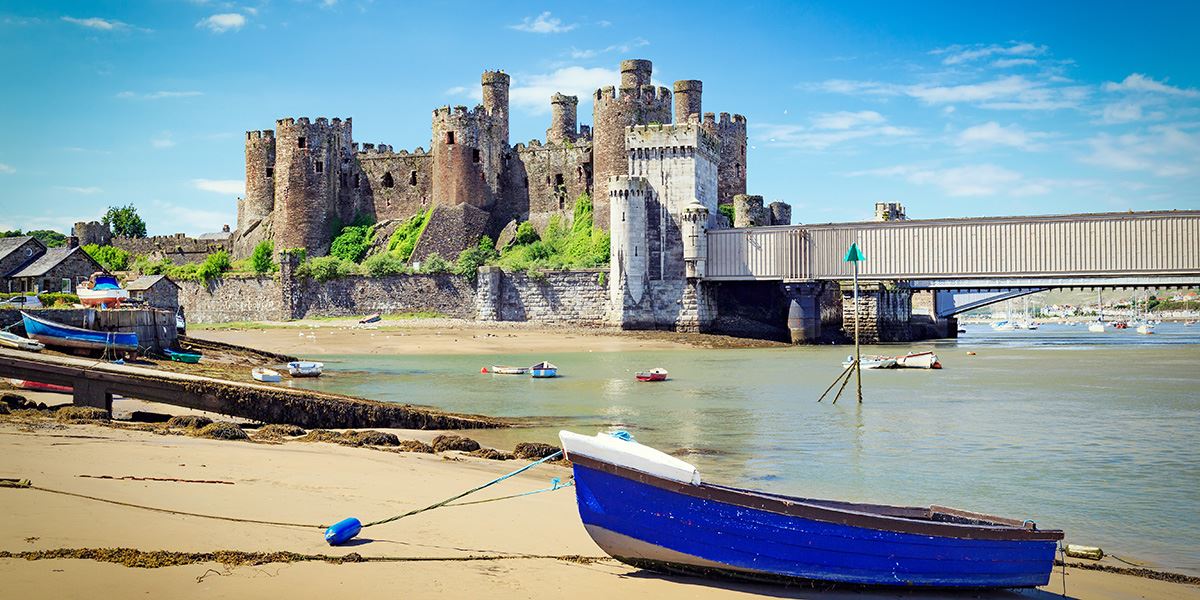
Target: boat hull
[
  {"x": 651, "y": 522},
  {"x": 543, "y": 373},
  {"x": 66, "y": 336}
]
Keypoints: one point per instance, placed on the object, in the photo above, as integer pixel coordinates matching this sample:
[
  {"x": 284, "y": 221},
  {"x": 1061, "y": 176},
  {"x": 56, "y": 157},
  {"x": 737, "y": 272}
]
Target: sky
[{"x": 952, "y": 109}]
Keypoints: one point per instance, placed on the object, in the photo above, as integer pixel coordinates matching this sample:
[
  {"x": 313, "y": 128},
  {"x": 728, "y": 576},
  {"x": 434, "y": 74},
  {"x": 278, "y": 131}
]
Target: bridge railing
[{"x": 1108, "y": 244}]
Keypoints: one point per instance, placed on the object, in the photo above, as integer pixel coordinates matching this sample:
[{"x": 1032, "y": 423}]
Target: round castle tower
[
  {"x": 563, "y": 118},
  {"x": 639, "y": 103},
  {"x": 629, "y": 266},
  {"x": 259, "y": 201},
  {"x": 308, "y": 161},
  {"x": 687, "y": 99},
  {"x": 469, "y": 147}
]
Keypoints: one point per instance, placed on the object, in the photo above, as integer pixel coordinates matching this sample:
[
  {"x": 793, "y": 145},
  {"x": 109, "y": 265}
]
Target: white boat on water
[
  {"x": 305, "y": 368},
  {"x": 918, "y": 360},
  {"x": 266, "y": 375},
  {"x": 13, "y": 340},
  {"x": 543, "y": 370},
  {"x": 1003, "y": 326},
  {"x": 872, "y": 362},
  {"x": 1145, "y": 329},
  {"x": 507, "y": 370},
  {"x": 1098, "y": 327}
]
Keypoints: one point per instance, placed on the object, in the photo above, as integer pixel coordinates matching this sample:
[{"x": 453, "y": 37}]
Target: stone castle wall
[
  {"x": 559, "y": 297},
  {"x": 393, "y": 185},
  {"x": 443, "y": 293},
  {"x": 232, "y": 299},
  {"x": 179, "y": 248}
]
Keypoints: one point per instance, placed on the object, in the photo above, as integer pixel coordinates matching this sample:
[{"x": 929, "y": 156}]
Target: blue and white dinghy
[{"x": 651, "y": 510}]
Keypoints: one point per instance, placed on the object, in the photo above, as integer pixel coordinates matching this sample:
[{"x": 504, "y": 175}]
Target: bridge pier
[
  {"x": 804, "y": 311},
  {"x": 86, "y": 392},
  {"x": 884, "y": 312}
]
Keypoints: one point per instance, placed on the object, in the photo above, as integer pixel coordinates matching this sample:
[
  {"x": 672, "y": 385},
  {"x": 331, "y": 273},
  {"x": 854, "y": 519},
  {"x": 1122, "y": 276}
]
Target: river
[{"x": 1096, "y": 434}]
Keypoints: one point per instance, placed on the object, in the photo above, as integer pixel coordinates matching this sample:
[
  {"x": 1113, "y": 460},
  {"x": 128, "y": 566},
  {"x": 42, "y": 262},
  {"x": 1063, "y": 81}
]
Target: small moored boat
[
  {"x": 872, "y": 362},
  {"x": 182, "y": 356},
  {"x": 543, "y": 370},
  {"x": 506, "y": 370},
  {"x": 13, "y": 340},
  {"x": 305, "y": 368},
  {"x": 37, "y": 386},
  {"x": 918, "y": 360},
  {"x": 651, "y": 510},
  {"x": 65, "y": 336},
  {"x": 374, "y": 318},
  {"x": 265, "y": 375},
  {"x": 658, "y": 374},
  {"x": 1145, "y": 329},
  {"x": 1097, "y": 327},
  {"x": 101, "y": 290}
]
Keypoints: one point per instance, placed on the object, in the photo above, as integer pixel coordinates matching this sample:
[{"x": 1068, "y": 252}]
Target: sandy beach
[
  {"x": 450, "y": 336},
  {"x": 528, "y": 547}
]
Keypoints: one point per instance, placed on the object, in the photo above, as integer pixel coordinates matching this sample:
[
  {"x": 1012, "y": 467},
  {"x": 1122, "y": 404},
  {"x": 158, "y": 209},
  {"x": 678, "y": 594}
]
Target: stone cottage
[
  {"x": 15, "y": 253},
  {"x": 155, "y": 290},
  {"x": 53, "y": 270}
]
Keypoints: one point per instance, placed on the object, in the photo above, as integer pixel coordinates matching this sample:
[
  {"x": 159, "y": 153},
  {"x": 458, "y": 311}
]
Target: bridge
[{"x": 966, "y": 263}]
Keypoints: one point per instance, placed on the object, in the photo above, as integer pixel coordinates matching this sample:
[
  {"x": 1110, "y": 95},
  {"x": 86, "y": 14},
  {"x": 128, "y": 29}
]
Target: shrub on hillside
[
  {"x": 262, "y": 259},
  {"x": 109, "y": 257},
  {"x": 404, "y": 239}
]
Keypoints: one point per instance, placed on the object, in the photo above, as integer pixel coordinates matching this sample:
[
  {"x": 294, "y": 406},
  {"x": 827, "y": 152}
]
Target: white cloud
[
  {"x": 830, "y": 129},
  {"x": 995, "y": 134},
  {"x": 87, "y": 191},
  {"x": 1128, "y": 112},
  {"x": 160, "y": 95},
  {"x": 97, "y": 23},
  {"x": 1005, "y": 87},
  {"x": 964, "y": 54},
  {"x": 846, "y": 120},
  {"x": 457, "y": 90},
  {"x": 1137, "y": 82},
  {"x": 1013, "y": 92},
  {"x": 622, "y": 48},
  {"x": 1006, "y": 63},
  {"x": 965, "y": 181},
  {"x": 163, "y": 140},
  {"x": 1164, "y": 150},
  {"x": 543, "y": 23},
  {"x": 532, "y": 93},
  {"x": 6, "y": 169},
  {"x": 220, "y": 186},
  {"x": 220, "y": 23}
]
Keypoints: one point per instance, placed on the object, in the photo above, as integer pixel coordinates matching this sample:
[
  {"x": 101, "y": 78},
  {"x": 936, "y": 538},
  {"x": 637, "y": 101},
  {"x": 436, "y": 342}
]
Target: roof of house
[
  {"x": 52, "y": 258},
  {"x": 9, "y": 245},
  {"x": 146, "y": 282},
  {"x": 216, "y": 235}
]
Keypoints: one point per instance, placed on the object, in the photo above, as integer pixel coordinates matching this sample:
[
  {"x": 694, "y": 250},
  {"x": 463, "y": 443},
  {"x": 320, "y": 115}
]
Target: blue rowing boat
[
  {"x": 651, "y": 510},
  {"x": 65, "y": 336}
]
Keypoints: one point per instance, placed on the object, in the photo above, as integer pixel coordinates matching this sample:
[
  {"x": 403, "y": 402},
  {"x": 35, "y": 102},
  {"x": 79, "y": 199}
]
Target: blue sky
[{"x": 954, "y": 109}]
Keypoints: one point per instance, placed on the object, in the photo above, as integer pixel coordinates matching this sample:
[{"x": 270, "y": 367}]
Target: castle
[{"x": 655, "y": 165}]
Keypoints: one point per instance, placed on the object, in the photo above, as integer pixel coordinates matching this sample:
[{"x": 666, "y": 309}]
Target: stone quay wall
[
  {"x": 232, "y": 299},
  {"x": 562, "y": 297},
  {"x": 356, "y": 295}
]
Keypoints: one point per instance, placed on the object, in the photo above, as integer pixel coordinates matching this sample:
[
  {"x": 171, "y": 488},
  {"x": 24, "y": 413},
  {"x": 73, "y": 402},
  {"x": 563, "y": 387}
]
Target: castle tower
[
  {"x": 687, "y": 99},
  {"x": 638, "y": 103},
  {"x": 260, "y": 177},
  {"x": 495, "y": 103},
  {"x": 563, "y": 114},
  {"x": 695, "y": 239},
  {"x": 629, "y": 277},
  {"x": 309, "y": 186},
  {"x": 461, "y": 161},
  {"x": 731, "y": 172}
]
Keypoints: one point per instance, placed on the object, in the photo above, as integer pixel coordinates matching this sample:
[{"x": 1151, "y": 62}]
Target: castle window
[
  {"x": 320, "y": 167},
  {"x": 387, "y": 180},
  {"x": 270, "y": 172},
  {"x": 450, "y": 138},
  {"x": 357, "y": 182},
  {"x": 475, "y": 156},
  {"x": 301, "y": 142},
  {"x": 558, "y": 179},
  {"x": 412, "y": 178}
]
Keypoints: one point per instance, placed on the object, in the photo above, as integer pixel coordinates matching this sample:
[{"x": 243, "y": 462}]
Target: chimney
[
  {"x": 72, "y": 241},
  {"x": 225, "y": 229}
]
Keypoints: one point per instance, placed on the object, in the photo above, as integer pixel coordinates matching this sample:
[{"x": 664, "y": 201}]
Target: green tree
[
  {"x": 262, "y": 259},
  {"x": 112, "y": 259},
  {"x": 213, "y": 266},
  {"x": 124, "y": 220},
  {"x": 476, "y": 256},
  {"x": 52, "y": 239},
  {"x": 352, "y": 243},
  {"x": 727, "y": 210}
]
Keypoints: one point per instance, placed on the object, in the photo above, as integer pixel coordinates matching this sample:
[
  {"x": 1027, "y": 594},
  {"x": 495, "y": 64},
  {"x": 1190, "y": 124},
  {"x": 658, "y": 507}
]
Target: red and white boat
[
  {"x": 659, "y": 374},
  {"x": 918, "y": 360},
  {"x": 38, "y": 386},
  {"x": 103, "y": 291}
]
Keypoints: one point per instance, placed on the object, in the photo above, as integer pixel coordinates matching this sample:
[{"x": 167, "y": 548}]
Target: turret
[
  {"x": 495, "y": 102},
  {"x": 687, "y": 99},
  {"x": 563, "y": 114},
  {"x": 259, "y": 200},
  {"x": 731, "y": 171},
  {"x": 629, "y": 271},
  {"x": 694, "y": 227},
  {"x": 635, "y": 73}
]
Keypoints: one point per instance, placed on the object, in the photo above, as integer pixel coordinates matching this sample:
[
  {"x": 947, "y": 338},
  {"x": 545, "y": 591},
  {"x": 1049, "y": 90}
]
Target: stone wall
[
  {"x": 232, "y": 299},
  {"x": 443, "y": 293},
  {"x": 393, "y": 185},
  {"x": 574, "y": 297},
  {"x": 449, "y": 231},
  {"x": 885, "y": 315},
  {"x": 179, "y": 248}
]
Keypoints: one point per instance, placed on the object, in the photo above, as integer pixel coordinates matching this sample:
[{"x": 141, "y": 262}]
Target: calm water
[{"x": 1097, "y": 434}]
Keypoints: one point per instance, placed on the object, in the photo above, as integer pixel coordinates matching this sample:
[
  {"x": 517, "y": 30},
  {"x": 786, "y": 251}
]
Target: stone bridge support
[
  {"x": 884, "y": 312},
  {"x": 804, "y": 311}
]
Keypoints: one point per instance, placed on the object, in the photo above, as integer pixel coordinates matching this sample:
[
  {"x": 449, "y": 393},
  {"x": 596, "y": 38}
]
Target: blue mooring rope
[{"x": 345, "y": 530}]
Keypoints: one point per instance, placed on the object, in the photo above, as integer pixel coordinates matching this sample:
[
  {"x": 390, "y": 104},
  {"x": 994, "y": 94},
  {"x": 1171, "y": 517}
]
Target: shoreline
[
  {"x": 453, "y": 336},
  {"x": 532, "y": 546}
]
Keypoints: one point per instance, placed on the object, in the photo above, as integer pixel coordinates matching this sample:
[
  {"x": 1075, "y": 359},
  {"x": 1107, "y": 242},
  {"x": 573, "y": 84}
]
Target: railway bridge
[{"x": 923, "y": 272}]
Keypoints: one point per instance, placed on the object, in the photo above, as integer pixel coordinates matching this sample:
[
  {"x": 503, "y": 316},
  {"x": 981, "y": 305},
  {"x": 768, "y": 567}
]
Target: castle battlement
[
  {"x": 267, "y": 134},
  {"x": 371, "y": 151},
  {"x": 322, "y": 123},
  {"x": 494, "y": 77}
]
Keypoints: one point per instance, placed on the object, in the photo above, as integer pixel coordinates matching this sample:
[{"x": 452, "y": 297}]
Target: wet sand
[
  {"x": 508, "y": 549},
  {"x": 450, "y": 336}
]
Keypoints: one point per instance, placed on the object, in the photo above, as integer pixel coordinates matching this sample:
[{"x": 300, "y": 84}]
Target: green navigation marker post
[{"x": 854, "y": 255}]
